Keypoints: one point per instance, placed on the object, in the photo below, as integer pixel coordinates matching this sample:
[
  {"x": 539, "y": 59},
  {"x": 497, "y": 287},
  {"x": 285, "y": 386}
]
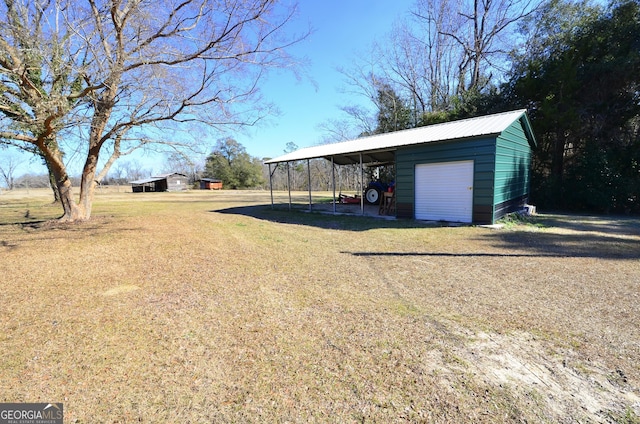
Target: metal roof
[
  {"x": 380, "y": 148},
  {"x": 155, "y": 178},
  {"x": 147, "y": 180},
  {"x": 161, "y": 176}
]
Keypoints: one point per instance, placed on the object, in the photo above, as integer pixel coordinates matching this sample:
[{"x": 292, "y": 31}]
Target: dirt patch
[
  {"x": 125, "y": 288},
  {"x": 558, "y": 380}
]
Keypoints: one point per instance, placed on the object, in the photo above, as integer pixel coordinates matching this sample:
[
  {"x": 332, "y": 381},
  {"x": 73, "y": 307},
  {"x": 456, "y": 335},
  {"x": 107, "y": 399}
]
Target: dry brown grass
[{"x": 203, "y": 307}]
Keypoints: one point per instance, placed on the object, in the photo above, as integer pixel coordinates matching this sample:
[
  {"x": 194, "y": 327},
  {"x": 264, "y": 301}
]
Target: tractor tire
[{"x": 372, "y": 196}]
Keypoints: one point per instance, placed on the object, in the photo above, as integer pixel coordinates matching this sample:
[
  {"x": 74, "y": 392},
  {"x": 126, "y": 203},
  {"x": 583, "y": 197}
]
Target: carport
[
  {"x": 345, "y": 153},
  {"x": 471, "y": 170}
]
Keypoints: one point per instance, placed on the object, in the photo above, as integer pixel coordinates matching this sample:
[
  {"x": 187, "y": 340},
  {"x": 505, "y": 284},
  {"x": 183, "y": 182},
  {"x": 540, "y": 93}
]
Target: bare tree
[
  {"x": 185, "y": 164},
  {"x": 101, "y": 78},
  {"x": 445, "y": 50},
  {"x": 133, "y": 170},
  {"x": 482, "y": 30},
  {"x": 335, "y": 130},
  {"x": 422, "y": 59},
  {"x": 8, "y": 167},
  {"x": 365, "y": 79}
]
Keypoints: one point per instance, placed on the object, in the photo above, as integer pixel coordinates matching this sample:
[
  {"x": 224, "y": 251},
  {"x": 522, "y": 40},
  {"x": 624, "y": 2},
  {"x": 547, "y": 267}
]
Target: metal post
[
  {"x": 395, "y": 186},
  {"x": 361, "y": 186},
  {"x": 333, "y": 184},
  {"x": 309, "y": 181},
  {"x": 289, "y": 184},
  {"x": 271, "y": 184}
]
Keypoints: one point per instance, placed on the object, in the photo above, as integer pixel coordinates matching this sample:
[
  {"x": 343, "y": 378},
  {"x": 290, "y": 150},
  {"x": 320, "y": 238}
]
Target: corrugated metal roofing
[
  {"x": 146, "y": 180},
  {"x": 370, "y": 146},
  {"x": 168, "y": 175},
  {"x": 155, "y": 178}
]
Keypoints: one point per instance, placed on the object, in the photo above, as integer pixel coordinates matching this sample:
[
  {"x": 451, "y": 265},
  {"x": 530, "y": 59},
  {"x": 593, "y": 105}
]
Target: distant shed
[
  {"x": 210, "y": 184},
  {"x": 164, "y": 182}
]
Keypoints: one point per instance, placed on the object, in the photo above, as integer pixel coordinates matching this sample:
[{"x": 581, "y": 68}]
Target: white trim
[{"x": 444, "y": 191}]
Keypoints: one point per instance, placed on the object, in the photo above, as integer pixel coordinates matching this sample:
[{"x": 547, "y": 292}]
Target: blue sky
[{"x": 341, "y": 30}]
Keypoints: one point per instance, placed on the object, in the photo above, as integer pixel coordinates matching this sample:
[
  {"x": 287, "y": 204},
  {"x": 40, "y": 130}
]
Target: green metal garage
[{"x": 473, "y": 170}]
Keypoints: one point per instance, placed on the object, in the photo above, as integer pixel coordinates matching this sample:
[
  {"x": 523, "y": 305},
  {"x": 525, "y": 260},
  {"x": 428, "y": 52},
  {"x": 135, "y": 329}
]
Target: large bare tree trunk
[
  {"x": 71, "y": 211},
  {"x": 54, "y": 188},
  {"x": 53, "y": 158},
  {"x": 52, "y": 182},
  {"x": 75, "y": 211},
  {"x": 88, "y": 182}
]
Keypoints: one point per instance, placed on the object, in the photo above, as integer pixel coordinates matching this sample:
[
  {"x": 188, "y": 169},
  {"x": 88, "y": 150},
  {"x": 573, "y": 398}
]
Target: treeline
[
  {"x": 582, "y": 89},
  {"x": 577, "y": 72},
  {"x": 318, "y": 174},
  {"x": 230, "y": 162},
  {"x": 26, "y": 181}
]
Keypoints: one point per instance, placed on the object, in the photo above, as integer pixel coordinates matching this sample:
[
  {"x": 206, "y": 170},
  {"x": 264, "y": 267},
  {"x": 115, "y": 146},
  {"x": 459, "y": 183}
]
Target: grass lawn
[{"x": 212, "y": 307}]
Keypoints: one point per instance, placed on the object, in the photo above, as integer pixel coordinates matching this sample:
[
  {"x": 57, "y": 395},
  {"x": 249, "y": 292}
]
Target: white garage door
[{"x": 444, "y": 191}]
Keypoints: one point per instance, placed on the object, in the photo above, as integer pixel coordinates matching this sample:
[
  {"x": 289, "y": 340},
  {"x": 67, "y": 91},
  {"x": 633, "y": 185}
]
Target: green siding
[
  {"x": 513, "y": 159},
  {"x": 501, "y": 171},
  {"x": 481, "y": 151}
]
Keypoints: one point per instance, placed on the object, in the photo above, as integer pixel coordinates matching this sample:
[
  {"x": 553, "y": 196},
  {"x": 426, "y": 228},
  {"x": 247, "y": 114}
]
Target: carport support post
[
  {"x": 289, "y": 184},
  {"x": 361, "y": 186},
  {"x": 333, "y": 183},
  {"x": 271, "y": 184},
  {"x": 309, "y": 181}
]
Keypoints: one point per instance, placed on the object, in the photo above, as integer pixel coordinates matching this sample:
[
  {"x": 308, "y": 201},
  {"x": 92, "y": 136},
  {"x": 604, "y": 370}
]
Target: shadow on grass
[
  {"x": 523, "y": 244},
  {"x": 621, "y": 225},
  {"x": 346, "y": 222},
  {"x": 604, "y": 238},
  {"x": 578, "y": 245},
  {"x": 31, "y": 223},
  {"x": 52, "y": 230},
  {"x": 458, "y": 255}
]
